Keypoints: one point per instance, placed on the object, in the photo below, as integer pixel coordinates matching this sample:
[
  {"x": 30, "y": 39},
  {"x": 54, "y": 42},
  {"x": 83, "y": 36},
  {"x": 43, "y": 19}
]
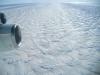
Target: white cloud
[{"x": 49, "y": 1}]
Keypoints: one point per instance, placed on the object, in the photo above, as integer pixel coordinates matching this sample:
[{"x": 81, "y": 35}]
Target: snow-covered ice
[{"x": 58, "y": 39}]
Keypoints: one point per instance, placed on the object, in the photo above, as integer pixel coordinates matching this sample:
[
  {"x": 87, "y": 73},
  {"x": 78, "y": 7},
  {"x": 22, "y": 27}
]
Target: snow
[{"x": 58, "y": 39}]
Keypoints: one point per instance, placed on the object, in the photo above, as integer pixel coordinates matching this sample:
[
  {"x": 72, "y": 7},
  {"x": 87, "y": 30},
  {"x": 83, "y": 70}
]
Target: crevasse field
[{"x": 58, "y": 39}]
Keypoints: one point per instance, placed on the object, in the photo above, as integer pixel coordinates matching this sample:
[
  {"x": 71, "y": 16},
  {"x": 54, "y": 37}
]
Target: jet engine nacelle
[{"x": 10, "y": 35}]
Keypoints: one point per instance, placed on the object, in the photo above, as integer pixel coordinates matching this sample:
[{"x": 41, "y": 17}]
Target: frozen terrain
[{"x": 58, "y": 39}]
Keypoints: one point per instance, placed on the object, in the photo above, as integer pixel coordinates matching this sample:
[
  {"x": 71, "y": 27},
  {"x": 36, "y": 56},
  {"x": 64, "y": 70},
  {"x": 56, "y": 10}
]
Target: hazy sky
[{"x": 51, "y": 1}]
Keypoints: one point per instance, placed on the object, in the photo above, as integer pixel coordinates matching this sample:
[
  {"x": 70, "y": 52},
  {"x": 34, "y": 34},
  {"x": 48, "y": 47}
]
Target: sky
[{"x": 48, "y": 1}]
